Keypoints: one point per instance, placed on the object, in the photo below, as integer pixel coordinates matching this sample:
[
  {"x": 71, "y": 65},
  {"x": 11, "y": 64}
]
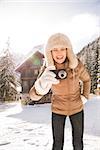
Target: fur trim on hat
[{"x": 60, "y": 40}]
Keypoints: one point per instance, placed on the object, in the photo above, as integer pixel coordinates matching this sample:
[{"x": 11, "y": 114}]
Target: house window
[
  {"x": 25, "y": 86},
  {"x": 27, "y": 73}
]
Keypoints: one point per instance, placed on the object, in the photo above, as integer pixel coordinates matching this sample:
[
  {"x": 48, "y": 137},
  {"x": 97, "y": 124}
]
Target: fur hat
[{"x": 60, "y": 40}]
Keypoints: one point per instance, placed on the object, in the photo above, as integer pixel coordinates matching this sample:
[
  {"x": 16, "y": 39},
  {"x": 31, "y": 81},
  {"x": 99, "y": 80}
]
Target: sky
[{"x": 28, "y": 23}]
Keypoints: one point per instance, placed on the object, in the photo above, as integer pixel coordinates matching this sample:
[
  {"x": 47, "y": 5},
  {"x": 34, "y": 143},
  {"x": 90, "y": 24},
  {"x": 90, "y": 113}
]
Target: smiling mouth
[{"x": 59, "y": 57}]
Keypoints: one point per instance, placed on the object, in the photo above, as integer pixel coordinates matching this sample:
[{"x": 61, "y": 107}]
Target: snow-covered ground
[{"x": 29, "y": 127}]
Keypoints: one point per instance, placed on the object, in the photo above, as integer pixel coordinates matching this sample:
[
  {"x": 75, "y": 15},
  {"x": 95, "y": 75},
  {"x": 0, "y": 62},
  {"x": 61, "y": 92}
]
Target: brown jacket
[{"x": 66, "y": 96}]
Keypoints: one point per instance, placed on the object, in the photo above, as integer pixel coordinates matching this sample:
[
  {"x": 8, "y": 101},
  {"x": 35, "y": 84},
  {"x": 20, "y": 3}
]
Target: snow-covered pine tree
[
  {"x": 90, "y": 56},
  {"x": 95, "y": 48},
  {"x": 98, "y": 72},
  {"x": 7, "y": 77}
]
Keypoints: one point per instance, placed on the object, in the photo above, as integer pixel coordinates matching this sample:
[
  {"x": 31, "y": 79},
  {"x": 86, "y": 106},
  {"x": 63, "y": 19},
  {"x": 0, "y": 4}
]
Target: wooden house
[{"x": 29, "y": 71}]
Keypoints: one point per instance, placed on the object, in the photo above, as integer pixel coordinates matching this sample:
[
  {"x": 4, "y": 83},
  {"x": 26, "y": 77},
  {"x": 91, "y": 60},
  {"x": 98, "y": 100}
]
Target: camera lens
[{"x": 62, "y": 74}]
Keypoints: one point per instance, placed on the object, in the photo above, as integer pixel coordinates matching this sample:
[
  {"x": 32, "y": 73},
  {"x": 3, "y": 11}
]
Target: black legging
[{"x": 58, "y": 125}]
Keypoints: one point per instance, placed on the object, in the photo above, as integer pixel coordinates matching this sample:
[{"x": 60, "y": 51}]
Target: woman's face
[{"x": 59, "y": 54}]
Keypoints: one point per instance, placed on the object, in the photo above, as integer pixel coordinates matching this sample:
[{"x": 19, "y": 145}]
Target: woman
[{"x": 67, "y": 99}]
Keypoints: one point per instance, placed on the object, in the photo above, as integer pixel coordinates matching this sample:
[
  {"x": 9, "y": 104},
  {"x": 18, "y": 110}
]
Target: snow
[{"x": 29, "y": 127}]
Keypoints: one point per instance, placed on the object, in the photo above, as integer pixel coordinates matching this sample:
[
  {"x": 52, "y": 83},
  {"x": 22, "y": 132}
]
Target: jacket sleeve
[
  {"x": 85, "y": 78},
  {"x": 34, "y": 95}
]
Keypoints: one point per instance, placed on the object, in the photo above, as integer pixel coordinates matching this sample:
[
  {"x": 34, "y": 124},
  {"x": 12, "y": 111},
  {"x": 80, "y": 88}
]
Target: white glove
[
  {"x": 84, "y": 100},
  {"x": 44, "y": 83}
]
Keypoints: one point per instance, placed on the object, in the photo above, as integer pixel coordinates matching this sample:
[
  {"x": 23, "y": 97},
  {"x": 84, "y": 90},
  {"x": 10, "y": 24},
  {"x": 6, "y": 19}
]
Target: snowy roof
[{"x": 37, "y": 53}]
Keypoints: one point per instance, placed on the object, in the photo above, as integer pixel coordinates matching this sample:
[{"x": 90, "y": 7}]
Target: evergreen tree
[
  {"x": 7, "y": 76},
  {"x": 98, "y": 67},
  {"x": 92, "y": 64},
  {"x": 90, "y": 56}
]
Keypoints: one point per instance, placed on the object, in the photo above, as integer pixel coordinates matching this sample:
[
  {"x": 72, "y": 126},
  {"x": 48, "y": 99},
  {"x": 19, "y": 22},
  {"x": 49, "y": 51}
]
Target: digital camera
[{"x": 60, "y": 73}]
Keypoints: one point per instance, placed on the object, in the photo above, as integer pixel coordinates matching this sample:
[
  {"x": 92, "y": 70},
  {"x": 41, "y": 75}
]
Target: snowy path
[{"x": 28, "y": 127}]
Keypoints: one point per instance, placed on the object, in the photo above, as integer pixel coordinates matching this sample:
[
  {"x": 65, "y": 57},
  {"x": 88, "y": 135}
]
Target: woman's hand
[
  {"x": 44, "y": 83},
  {"x": 84, "y": 100}
]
